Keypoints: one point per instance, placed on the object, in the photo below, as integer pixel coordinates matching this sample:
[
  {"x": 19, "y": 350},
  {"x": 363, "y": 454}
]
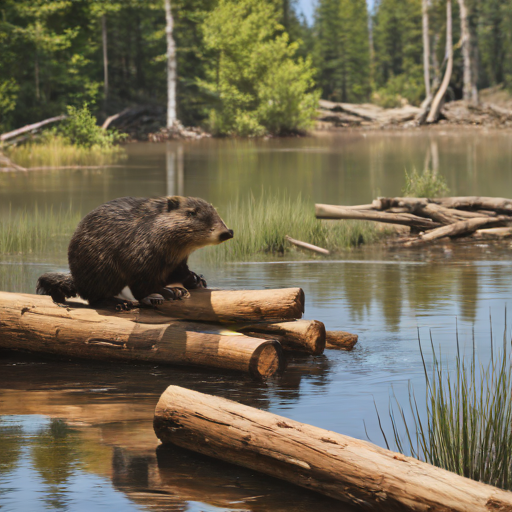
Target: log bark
[
  {"x": 340, "y": 340},
  {"x": 339, "y": 466},
  {"x": 499, "y": 204},
  {"x": 463, "y": 227},
  {"x": 237, "y": 305},
  {"x": 35, "y": 323},
  {"x": 308, "y": 247},
  {"x": 433, "y": 115},
  {"x": 30, "y": 127},
  {"x": 300, "y": 335},
  {"x": 326, "y": 211}
]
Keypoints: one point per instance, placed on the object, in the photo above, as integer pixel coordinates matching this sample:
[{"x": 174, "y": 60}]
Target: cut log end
[{"x": 266, "y": 361}]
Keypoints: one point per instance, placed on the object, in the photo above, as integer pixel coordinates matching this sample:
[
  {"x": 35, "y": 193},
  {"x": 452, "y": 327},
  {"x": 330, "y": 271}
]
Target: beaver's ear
[{"x": 173, "y": 203}]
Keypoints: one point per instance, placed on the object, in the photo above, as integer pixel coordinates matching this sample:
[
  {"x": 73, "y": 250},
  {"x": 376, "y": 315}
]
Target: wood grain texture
[
  {"x": 333, "y": 464},
  {"x": 36, "y": 324}
]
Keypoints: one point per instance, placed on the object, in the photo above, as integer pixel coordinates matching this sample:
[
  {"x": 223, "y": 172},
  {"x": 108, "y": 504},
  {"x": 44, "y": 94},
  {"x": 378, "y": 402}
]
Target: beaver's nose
[{"x": 226, "y": 235}]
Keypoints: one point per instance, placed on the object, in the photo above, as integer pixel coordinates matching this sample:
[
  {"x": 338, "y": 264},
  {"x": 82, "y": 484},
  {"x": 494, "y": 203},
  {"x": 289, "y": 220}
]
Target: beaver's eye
[{"x": 192, "y": 213}]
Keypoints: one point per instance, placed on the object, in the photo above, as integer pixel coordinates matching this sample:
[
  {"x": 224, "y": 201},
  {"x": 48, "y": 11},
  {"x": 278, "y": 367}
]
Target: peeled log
[
  {"x": 476, "y": 203},
  {"x": 338, "y": 466},
  {"x": 35, "y": 323},
  {"x": 305, "y": 245},
  {"x": 237, "y": 305},
  {"x": 327, "y": 211},
  {"x": 340, "y": 340},
  {"x": 301, "y": 335}
]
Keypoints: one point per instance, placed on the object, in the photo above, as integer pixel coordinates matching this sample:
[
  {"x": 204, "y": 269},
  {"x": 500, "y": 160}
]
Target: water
[{"x": 78, "y": 435}]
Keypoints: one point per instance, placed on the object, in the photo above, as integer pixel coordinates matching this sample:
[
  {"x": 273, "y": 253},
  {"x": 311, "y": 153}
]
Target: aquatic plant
[
  {"x": 260, "y": 227},
  {"x": 37, "y": 231},
  {"x": 467, "y": 428},
  {"x": 428, "y": 183}
]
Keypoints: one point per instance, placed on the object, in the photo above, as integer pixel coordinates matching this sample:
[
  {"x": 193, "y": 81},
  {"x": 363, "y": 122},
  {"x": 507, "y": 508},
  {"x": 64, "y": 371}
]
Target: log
[
  {"x": 237, "y": 305},
  {"x": 8, "y": 164},
  {"x": 493, "y": 233},
  {"x": 305, "y": 245},
  {"x": 30, "y": 127},
  {"x": 112, "y": 118},
  {"x": 35, "y": 323},
  {"x": 499, "y": 204},
  {"x": 463, "y": 227},
  {"x": 300, "y": 335},
  {"x": 340, "y": 340},
  {"x": 326, "y": 211},
  {"x": 338, "y": 466}
]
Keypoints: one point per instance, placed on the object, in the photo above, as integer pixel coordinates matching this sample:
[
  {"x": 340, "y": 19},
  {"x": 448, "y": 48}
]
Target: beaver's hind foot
[
  {"x": 175, "y": 293},
  {"x": 155, "y": 299}
]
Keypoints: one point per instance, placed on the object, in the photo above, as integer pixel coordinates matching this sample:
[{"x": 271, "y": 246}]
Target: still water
[{"x": 78, "y": 435}]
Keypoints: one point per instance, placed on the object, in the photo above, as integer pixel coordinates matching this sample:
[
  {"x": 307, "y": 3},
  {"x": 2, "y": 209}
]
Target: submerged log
[
  {"x": 308, "y": 247},
  {"x": 35, "y": 323},
  {"x": 326, "y": 211},
  {"x": 340, "y": 340},
  {"x": 339, "y": 466},
  {"x": 301, "y": 335},
  {"x": 237, "y": 305}
]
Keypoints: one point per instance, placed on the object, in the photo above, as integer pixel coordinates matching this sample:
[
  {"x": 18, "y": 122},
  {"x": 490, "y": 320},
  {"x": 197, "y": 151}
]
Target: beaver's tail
[{"x": 60, "y": 286}]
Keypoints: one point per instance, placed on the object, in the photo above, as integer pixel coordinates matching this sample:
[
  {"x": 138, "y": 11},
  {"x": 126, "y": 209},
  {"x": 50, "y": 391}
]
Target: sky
[{"x": 308, "y": 8}]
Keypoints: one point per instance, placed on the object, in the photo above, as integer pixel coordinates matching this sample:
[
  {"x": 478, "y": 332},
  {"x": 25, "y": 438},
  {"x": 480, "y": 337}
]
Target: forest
[{"x": 247, "y": 67}]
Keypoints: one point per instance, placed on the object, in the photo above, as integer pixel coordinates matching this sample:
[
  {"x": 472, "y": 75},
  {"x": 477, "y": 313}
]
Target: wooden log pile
[
  {"x": 432, "y": 219},
  {"x": 336, "y": 465},
  {"x": 243, "y": 330}
]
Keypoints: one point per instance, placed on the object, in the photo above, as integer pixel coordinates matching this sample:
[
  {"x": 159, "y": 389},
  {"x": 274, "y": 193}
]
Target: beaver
[{"x": 133, "y": 248}]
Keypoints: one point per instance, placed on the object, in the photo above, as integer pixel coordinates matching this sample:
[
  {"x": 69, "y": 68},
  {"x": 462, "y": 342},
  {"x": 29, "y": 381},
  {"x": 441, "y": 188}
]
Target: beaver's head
[{"x": 195, "y": 222}]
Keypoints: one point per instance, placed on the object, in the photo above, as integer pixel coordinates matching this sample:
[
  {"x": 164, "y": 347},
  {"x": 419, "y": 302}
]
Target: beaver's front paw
[
  {"x": 175, "y": 293},
  {"x": 194, "y": 281}
]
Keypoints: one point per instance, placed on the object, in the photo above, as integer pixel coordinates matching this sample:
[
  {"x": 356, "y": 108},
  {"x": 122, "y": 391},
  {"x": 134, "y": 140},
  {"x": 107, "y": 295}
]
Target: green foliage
[
  {"x": 259, "y": 84},
  {"x": 469, "y": 413},
  {"x": 37, "y": 231},
  {"x": 342, "y": 49},
  {"x": 80, "y": 129},
  {"x": 425, "y": 184},
  {"x": 407, "y": 86},
  {"x": 260, "y": 227}
]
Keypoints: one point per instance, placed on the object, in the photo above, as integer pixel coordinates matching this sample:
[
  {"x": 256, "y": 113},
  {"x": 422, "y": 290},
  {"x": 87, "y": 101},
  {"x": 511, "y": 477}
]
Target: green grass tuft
[
  {"x": 469, "y": 416},
  {"x": 260, "y": 227},
  {"x": 425, "y": 184},
  {"x": 37, "y": 231}
]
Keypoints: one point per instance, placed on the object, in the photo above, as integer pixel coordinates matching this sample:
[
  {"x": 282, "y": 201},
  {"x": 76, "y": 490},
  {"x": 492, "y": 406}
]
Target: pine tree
[{"x": 342, "y": 49}]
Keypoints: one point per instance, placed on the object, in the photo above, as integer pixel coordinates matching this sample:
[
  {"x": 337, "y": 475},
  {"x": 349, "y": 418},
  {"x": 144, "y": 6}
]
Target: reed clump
[
  {"x": 37, "y": 231},
  {"x": 428, "y": 183},
  {"x": 468, "y": 421},
  {"x": 260, "y": 226}
]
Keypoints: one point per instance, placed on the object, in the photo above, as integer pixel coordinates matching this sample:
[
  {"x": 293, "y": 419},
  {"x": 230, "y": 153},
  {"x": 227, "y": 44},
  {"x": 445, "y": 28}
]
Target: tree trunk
[
  {"x": 437, "y": 102},
  {"x": 35, "y": 323},
  {"x": 105, "y": 57},
  {"x": 426, "y": 48},
  {"x": 466, "y": 52},
  {"x": 171, "y": 66},
  {"x": 333, "y": 464}
]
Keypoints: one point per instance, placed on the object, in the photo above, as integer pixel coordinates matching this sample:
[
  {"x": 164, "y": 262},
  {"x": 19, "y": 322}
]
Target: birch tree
[
  {"x": 469, "y": 92},
  {"x": 171, "y": 66},
  {"x": 426, "y": 47}
]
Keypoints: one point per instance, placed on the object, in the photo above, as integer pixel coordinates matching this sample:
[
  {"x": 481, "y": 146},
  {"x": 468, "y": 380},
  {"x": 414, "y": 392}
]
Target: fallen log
[
  {"x": 30, "y": 127},
  {"x": 340, "y": 340},
  {"x": 305, "y": 245},
  {"x": 35, "y": 323},
  {"x": 338, "y": 466},
  {"x": 326, "y": 211},
  {"x": 499, "y": 204},
  {"x": 237, "y": 305},
  {"x": 493, "y": 233},
  {"x": 463, "y": 227},
  {"x": 301, "y": 335},
  {"x": 7, "y": 164}
]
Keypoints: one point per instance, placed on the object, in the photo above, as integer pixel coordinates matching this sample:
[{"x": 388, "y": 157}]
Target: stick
[
  {"x": 339, "y": 466},
  {"x": 326, "y": 211},
  {"x": 340, "y": 340},
  {"x": 31, "y": 127},
  {"x": 35, "y": 323},
  {"x": 305, "y": 245}
]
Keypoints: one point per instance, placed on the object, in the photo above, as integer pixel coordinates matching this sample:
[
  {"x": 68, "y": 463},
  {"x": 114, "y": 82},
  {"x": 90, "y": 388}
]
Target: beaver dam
[{"x": 432, "y": 219}]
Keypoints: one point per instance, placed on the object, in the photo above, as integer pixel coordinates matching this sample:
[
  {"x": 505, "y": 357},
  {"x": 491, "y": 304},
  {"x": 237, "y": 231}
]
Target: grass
[
  {"x": 469, "y": 417},
  {"x": 260, "y": 227},
  {"x": 428, "y": 183},
  {"x": 37, "y": 231},
  {"x": 55, "y": 151}
]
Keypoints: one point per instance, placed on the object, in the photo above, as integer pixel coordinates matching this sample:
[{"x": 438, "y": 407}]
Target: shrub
[
  {"x": 406, "y": 86},
  {"x": 259, "y": 84},
  {"x": 426, "y": 184}
]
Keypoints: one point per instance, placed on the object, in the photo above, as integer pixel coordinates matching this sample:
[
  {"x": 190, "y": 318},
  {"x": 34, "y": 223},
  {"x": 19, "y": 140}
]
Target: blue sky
[{"x": 308, "y": 7}]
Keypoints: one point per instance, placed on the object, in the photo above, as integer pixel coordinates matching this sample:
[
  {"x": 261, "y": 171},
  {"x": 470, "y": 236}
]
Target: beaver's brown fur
[{"x": 136, "y": 242}]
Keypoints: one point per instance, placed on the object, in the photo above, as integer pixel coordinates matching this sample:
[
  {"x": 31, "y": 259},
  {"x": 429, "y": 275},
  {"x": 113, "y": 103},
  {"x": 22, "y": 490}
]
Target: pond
[{"x": 78, "y": 435}]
